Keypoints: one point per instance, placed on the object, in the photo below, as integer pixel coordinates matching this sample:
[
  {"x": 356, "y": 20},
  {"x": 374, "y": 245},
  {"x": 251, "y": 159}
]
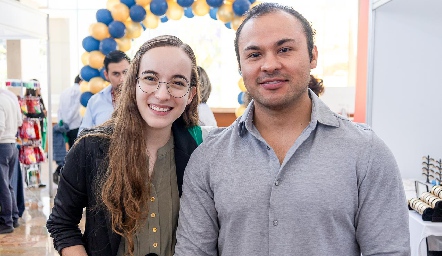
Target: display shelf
[{"x": 29, "y": 138}]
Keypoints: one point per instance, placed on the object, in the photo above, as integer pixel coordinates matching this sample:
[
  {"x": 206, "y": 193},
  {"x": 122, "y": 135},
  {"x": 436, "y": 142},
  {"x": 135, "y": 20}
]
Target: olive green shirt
[{"x": 157, "y": 234}]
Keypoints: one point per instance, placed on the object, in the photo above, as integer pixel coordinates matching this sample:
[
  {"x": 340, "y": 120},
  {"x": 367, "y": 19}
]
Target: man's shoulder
[{"x": 220, "y": 135}]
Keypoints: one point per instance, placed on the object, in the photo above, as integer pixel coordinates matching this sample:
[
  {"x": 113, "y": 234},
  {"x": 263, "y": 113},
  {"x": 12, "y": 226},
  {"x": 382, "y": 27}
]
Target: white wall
[{"x": 407, "y": 105}]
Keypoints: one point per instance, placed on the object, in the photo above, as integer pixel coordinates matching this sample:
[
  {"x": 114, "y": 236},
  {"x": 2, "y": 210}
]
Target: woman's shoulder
[{"x": 100, "y": 134}]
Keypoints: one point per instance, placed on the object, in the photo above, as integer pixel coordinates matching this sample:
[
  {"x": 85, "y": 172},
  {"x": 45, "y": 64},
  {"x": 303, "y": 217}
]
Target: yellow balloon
[
  {"x": 111, "y": 3},
  {"x": 240, "y": 110},
  {"x": 174, "y": 10},
  {"x": 200, "y": 7},
  {"x": 151, "y": 21},
  {"x": 96, "y": 59},
  {"x": 254, "y": 4},
  {"x": 99, "y": 31},
  {"x": 82, "y": 111},
  {"x": 133, "y": 29},
  {"x": 229, "y": 1},
  {"x": 120, "y": 12},
  {"x": 241, "y": 85},
  {"x": 96, "y": 84},
  {"x": 124, "y": 44},
  {"x": 236, "y": 22},
  {"x": 225, "y": 13},
  {"x": 84, "y": 86},
  {"x": 143, "y": 3},
  {"x": 85, "y": 58},
  {"x": 106, "y": 84}
]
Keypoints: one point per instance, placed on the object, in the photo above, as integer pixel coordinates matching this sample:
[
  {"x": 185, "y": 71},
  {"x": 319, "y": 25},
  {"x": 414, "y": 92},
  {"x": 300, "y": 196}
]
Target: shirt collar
[{"x": 321, "y": 113}]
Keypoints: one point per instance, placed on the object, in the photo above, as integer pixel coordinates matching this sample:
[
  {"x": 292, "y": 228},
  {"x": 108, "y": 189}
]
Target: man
[
  {"x": 68, "y": 110},
  {"x": 289, "y": 177},
  {"x": 10, "y": 120},
  {"x": 101, "y": 105}
]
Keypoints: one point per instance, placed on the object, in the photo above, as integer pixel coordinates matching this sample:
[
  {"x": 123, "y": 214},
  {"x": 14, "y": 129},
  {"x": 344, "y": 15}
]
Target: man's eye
[
  {"x": 254, "y": 55},
  {"x": 285, "y": 49}
]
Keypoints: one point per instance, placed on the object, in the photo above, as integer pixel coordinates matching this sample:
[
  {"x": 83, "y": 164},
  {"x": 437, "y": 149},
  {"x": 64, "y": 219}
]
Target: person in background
[
  {"x": 206, "y": 117},
  {"x": 10, "y": 120},
  {"x": 128, "y": 172},
  {"x": 316, "y": 85},
  {"x": 42, "y": 116},
  {"x": 68, "y": 110},
  {"x": 289, "y": 177},
  {"x": 101, "y": 105},
  {"x": 17, "y": 177}
]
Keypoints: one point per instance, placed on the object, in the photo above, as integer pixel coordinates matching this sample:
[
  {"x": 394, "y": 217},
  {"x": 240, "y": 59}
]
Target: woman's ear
[{"x": 192, "y": 93}]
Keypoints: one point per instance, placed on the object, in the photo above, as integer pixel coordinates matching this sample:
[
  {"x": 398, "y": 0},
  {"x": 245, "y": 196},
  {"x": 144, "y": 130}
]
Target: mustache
[{"x": 274, "y": 75}]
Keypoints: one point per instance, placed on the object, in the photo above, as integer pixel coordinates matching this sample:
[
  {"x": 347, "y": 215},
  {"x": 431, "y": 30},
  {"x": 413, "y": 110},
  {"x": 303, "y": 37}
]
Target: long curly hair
[{"x": 125, "y": 187}]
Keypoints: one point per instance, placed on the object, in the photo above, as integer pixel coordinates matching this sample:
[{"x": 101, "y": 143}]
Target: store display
[
  {"x": 31, "y": 153},
  {"x": 432, "y": 169},
  {"x": 429, "y": 205}
]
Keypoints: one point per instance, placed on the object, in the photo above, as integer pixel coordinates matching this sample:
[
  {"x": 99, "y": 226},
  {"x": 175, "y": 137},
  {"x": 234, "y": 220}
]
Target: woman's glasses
[{"x": 177, "y": 87}]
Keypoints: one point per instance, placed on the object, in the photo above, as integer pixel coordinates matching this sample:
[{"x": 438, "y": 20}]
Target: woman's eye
[{"x": 149, "y": 78}]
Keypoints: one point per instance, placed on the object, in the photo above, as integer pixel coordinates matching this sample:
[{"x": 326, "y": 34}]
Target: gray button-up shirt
[{"x": 337, "y": 192}]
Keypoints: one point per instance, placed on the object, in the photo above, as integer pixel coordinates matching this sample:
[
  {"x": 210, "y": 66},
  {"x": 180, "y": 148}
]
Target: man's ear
[
  {"x": 106, "y": 75},
  {"x": 314, "y": 61}
]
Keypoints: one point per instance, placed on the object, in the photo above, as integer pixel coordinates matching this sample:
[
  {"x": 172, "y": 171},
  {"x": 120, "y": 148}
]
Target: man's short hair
[
  {"x": 115, "y": 57},
  {"x": 265, "y": 8},
  {"x": 77, "y": 79}
]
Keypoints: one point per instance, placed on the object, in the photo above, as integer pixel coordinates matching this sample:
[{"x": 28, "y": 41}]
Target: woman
[
  {"x": 206, "y": 116},
  {"x": 128, "y": 172}
]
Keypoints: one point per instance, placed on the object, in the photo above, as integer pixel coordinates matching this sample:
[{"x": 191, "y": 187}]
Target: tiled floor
[{"x": 32, "y": 238}]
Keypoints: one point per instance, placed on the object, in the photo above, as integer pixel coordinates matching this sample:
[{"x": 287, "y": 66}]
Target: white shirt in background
[
  {"x": 206, "y": 116},
  {"x": 69, "y": 107}
]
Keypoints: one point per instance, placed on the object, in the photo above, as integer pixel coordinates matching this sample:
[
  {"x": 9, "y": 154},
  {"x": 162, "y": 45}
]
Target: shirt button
[
  {"x": 154, "y": 230},
  {"x": 275, "y": 223},
  {"x": 277, "y": 183},
  {"x": 268, "y": 148},
  {"x": 155, "y": 245},
  {"x": 152, "y": 215},
  {"x": 152, "y": 199}
]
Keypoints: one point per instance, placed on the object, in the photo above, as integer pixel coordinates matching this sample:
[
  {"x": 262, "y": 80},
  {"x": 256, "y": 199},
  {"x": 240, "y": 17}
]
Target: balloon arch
[{"x": 124, "y": 20}]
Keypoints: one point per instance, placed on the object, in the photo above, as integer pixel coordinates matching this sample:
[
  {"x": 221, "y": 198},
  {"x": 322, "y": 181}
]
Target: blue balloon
[
  {"x": 87, "y": 73},
  {"x": 215, "y": 3},
  {"x": 129, "y": 3},
  {"x": 213, "y": 12},
  {"x": 104, "y": 16},
  {"x": 252, "y": 1},
  {"x": 185, "y": 3},
  {"x": 90, "y": 44},
  {"x": 240, "y": 7},
  {"x": 102, "y": 73},
  {"x": 108, "y": 45},
  {"x": 85, "y": 97},
  {"x": 137, "y": 13},
  {"x": 241, "y": 98},
  {"x": 158, "y": 7},
  {"x": 164, "y": 19},
  {"x": 117, "y": 29},
  {"x": 228, "y": 25},
  {"x": 188, "y": 12}
]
